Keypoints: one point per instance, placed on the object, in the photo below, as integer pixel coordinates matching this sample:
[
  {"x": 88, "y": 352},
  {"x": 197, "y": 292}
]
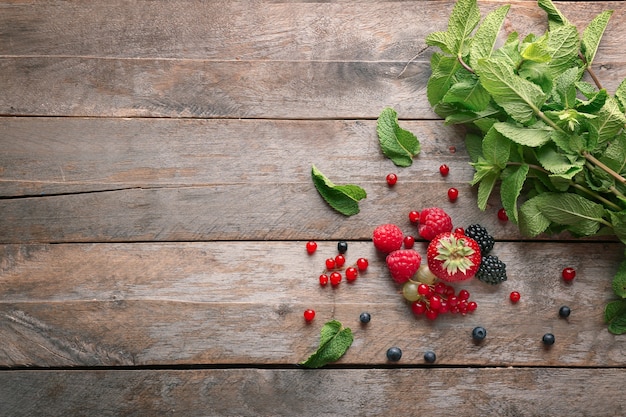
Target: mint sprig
[
  {"x": 554, "y": 142},
  {"x": 343, "y": 198},
  {"x": 334, "y": 342},
  {"x": 397, "y": 144}
]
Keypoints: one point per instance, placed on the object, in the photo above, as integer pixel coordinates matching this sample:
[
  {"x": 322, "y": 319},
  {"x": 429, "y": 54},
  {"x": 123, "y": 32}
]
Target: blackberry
[
  {"x": 480, "y": 235},
  {"x": 492, "y": 270}
]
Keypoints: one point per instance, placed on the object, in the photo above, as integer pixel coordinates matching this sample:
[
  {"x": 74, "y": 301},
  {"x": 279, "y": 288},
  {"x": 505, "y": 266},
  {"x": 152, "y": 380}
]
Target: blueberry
[
  {"x": 365, "y": 318},
  {"x": 548, "y": 339},
  {"x": 430, "y": 356},
  {"x": 479, "y": 333},
  {"x": 342, "y": 246},
  {"x": 394, "y": 354},
  {"x": 564, "y": 311}
]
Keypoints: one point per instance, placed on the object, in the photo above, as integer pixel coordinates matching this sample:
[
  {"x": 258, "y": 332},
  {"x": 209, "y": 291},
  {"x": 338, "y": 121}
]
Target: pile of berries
[
  {"x": 335, "y": 267},
  {"x": 492, "y": 270}
]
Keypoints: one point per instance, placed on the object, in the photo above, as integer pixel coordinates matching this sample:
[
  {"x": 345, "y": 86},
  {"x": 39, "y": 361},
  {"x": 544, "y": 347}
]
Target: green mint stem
[
  {"x": 464, "y": 64},
  {"x": 601, "y": 165},
  {"x": 591, "y": 72},
  {"x": 607, "y": 203}
]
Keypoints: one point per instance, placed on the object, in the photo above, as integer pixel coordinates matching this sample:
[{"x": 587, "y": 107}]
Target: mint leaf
[
  {"x": 441, "y": 78},
  {"x": 512, "y": 183},
  {"x": 583, "y": 216},
  {"x": 524, "y": 135},
  {"x": 485, "y": 187},
  {"x": 469, "y": 93},
  {"x": 520, "y": 98},
  {"x": 615, "y": 316},
  {"x": 609, "y": 122},
  {"x": 620, "y": 94},
  {"x": 343, "y": 198},
  {"x": 487, "y": 34},
  {"x": 334, "y": 342},
  {"x": 592, "y": 35},
  {"x": 618, "y": 220},
  {"x": 563, "y": 44},
  {"x": 619, "y": 281},
  {"x": 555, "y": 17},
  {"x": 463, "y": 19},
  {"x": 531, "y": 221},
  {"x": 442, "y": 40},
  {"x": 397, "y": 144},
  {"x": 556, "y": 162},
  {"x": 496, "y": 148}
]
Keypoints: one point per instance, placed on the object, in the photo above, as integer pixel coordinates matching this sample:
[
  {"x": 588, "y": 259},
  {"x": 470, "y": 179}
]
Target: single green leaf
[
  {"x": 487, "y": 34},
  {"x": 343, "y": 198},
  {"x": 485, "y": 188},
  {"x": 620, "y": 95},
  {"x": 614, "y": 155},
  {"x": 442, "y": 40},
  {"x": 610, "y": 121},
  {"x": 520, "y": 98},
  {"x": 564, "y": 89},
  {"x": 537, "y": 51},
  {"x": 496, "y": 148},
  {"x": 511, "y": 188},
  {"x": 594, "y": 104},
  {"x": 396, "y": 143},
  {"x": 582, "y": 216},
  {"x": 526, "y": 136},
  {"x": 593, "y": 34},
  {"x": 563, "y": 44},
  {"x": 441, "y": 78},
  {"x": 508, "y": 53},
  {"x": 618, "y": 220},
  {"x": 538, "y": 73},
  {"x": 469, "y": 93},
  {"x": 556, "y": 162},
  {"x": 463, "y": 19},
  {"x": 474, "y": 146},
  {"x": 554, "y": 15},
  {"x": 334, "y": 342},
  {"x": 615, "y": 316},
  {"x": 482, "y": 168},
  {"x": 532, "y": 222}
]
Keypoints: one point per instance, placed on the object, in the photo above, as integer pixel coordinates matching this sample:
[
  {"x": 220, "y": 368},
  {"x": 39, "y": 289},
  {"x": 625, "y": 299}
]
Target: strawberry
[
  {"x": 403, "y": 264},
  {"x": 432, "y": 222},
  {"x": 388, "y": 238},
  {"x": 453, "y": 256}
]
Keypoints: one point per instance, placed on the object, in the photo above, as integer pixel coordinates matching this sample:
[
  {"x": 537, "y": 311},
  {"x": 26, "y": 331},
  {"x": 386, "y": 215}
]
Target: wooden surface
[{"x": 155, "y": 199}]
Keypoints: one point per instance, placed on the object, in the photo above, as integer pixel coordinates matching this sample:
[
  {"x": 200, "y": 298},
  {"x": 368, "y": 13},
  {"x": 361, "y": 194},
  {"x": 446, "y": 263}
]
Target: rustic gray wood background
[{"x": 155, "y": 199}]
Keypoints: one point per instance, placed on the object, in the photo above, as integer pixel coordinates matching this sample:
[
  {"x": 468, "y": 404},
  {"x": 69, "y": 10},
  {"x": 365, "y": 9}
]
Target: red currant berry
[
  {"x": 444, "y": 170},
  {"x": 459, "y": 230},
  {"x": 409, "y": 241},
  {"x": 330, "y": 263},
  {"x": 351, "y": 273},
  {"x": 440, "y": 288},
  {"x": 453, "y": 194},
  {"x": 453, "y": 301},
  {"x": 362, "y": 264},
  {"x": 309, "y": 314},
  {"x": 502, "y": 215},
  {"x": 472, "y": 306},
  {"x": 311, "y": 247},
  {"x": 392, "y": 179},
  {"x": 514, "y": 297},
  {"x": 444, "y": 307},
  {"x": 414, "y": 216},
  {"x": 435, "y": 302},
  {"x": 340, "y": 260},
  {"x": 418, "y": 307},
  {"x": 423, "y": 289},
  {"x": 323, "y": 280},
  {"x": 335, "y": 278},
  {"x": 568, "y": 274},
  {"x": 431, "y": 314},
  {"x": 464, "y": 295},
  {"x": 452, "y": 148}
]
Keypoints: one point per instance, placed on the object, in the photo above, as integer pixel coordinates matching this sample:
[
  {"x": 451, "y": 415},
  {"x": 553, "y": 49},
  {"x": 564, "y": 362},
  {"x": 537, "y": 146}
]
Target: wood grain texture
[
  {"x": 354, "y": 84},
  {"x": 497, "y": 392},
  {"x": 242, "y": 302}
]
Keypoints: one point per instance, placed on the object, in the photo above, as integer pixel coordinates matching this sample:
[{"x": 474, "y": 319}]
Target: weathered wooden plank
[
  {"x": 346, "y": 392},
  {"x": 242, "y": 303},
  {"x": 79, "y": 86},
  {"x": 89, "y": 84},
  {"x": 69, "y": 155},
  {"x": 262, "y": 30}
]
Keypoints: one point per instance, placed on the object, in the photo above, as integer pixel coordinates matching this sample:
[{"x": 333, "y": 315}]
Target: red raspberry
[
  {"x": 403, "y": 264},
  {"x": 387, "y": 238},
  {"x": 433, "y": 221}
]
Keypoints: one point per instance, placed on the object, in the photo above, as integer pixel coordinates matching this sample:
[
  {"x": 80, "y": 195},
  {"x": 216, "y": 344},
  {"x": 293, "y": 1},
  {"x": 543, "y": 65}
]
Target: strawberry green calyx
[{"x": 453, "y": 257}]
